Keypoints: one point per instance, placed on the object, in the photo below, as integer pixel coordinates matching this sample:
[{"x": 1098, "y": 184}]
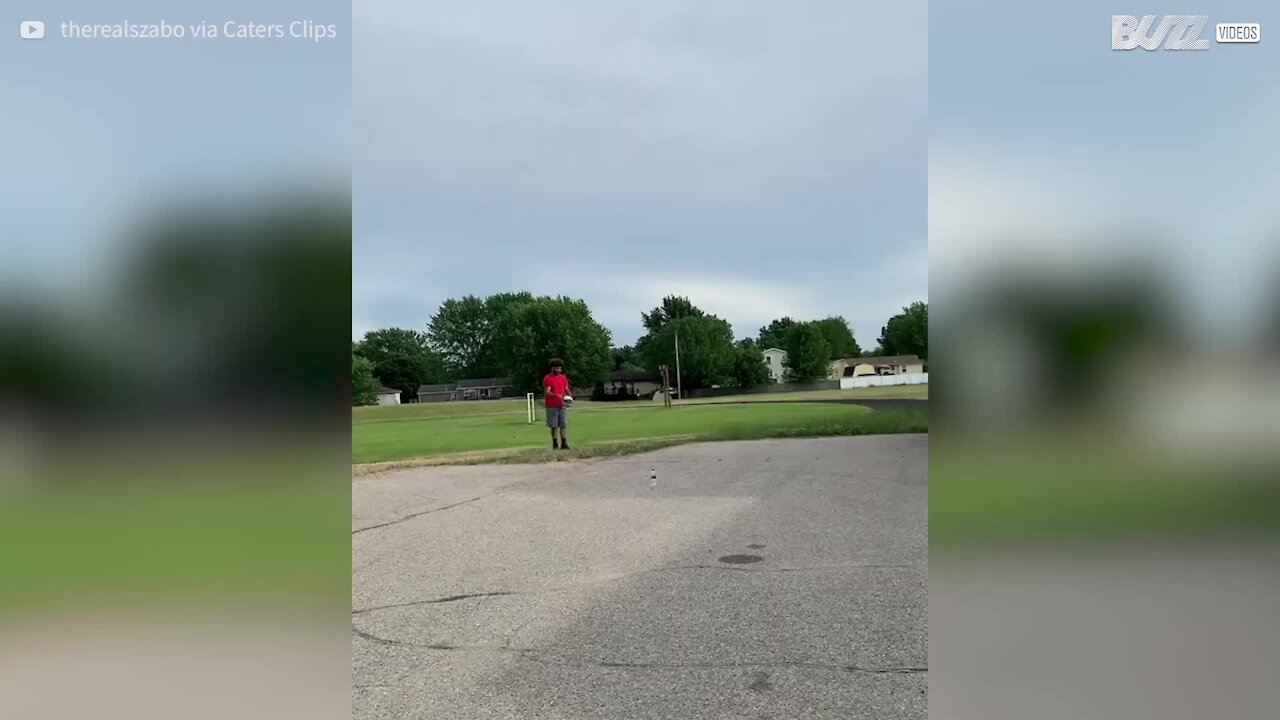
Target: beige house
[
  {"x": 628, "y": 383},
  {"x": 386, "y": 395},
  {"x": 775, "y": 360},
  {"x": 881, "y": 365}
]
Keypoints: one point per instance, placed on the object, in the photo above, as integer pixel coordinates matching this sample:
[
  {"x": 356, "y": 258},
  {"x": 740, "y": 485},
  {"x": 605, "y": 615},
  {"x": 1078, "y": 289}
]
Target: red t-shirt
[{"x": 559, "y": 385}]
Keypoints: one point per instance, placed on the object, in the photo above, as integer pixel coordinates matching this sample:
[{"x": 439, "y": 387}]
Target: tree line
[{"x": 512, "y": 335}]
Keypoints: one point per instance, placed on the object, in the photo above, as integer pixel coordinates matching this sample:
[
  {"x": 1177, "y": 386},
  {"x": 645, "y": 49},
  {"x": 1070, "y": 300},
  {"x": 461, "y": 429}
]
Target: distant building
[
  {"x": 386, "y": 395},
  {"x": 775, "y": 359},
  {"x": 480, "y": 389},
  {"x": 879, "y": 365},
  {"x": 633, "y": 384}
]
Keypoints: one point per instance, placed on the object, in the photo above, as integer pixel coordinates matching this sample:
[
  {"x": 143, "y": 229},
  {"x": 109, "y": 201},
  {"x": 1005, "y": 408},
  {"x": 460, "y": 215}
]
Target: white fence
[{"x": 883, "y": 380}]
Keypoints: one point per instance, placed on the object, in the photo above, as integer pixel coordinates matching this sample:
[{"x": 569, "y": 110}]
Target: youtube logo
[{"x": 31, "y": 29}]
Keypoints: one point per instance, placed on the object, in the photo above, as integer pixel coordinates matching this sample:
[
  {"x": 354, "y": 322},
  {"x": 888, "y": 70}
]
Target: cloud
[{"x": 771, "y": 163}]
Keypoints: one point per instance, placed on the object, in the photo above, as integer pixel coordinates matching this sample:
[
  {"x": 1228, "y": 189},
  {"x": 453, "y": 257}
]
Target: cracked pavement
[{"x": 574, "y": 590}]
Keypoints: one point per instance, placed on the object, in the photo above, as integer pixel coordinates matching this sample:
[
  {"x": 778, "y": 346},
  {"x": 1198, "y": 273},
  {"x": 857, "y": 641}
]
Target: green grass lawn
[
  {"x": 261, "y": 528},
  {"x": 432, "y": 430},
  {"x": 477, "y": 408},
  {"x": 892, "y": 391},
  {"x": 1079, "y": 488}
]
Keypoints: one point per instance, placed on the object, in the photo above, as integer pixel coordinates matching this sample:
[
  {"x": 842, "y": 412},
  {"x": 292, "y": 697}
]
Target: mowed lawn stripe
[{"x": 425, "y": 434}]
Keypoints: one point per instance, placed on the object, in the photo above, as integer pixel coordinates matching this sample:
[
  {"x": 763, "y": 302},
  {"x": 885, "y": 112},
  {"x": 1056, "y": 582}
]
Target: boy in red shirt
[{"x": 556, "y": 386}]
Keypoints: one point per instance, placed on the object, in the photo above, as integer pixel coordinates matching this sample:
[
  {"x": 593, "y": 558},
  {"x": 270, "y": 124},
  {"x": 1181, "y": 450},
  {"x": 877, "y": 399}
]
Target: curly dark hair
[{"x": 557, "y": 363}]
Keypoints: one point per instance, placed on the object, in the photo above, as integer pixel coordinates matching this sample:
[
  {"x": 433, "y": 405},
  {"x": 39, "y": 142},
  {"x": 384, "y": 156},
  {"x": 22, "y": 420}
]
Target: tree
[
  {"x": 459, "y": 331},
  {"x": 839, "y": 337},
  {"x": 748, "y": 365},
  {"x": 497, "y": 306},
  {"x": 402, "y": 359},
  {"x": 362, "y": 382},
  {"x": 533, "y": 332},
  {"x": 808, "y": 353},
  {"x": 908, "y": 332},
  {"x": 464, "y": 332},
  {"x": 706, "y": 350},
  {"x": 774, "y": 334},
  {"x": 379, "y": 343},
  {"x": 626, "y": 358},
  {"x": 672, "y": 308}
]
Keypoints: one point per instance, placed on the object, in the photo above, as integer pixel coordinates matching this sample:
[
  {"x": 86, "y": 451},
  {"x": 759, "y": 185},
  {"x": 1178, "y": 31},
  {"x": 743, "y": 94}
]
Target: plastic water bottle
[{"x": 653, "y": 478}]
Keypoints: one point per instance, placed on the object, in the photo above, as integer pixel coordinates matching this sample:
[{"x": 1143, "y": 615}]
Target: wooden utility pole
[{"x": 679, "y": 388}]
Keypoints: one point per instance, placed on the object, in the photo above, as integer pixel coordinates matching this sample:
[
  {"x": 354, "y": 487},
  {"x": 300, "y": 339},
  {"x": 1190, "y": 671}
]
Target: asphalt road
[{"x": 575, "y": 590}]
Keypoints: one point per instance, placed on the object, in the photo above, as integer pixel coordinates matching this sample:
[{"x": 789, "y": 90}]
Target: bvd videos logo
[{"x": 1176, "y": 32}]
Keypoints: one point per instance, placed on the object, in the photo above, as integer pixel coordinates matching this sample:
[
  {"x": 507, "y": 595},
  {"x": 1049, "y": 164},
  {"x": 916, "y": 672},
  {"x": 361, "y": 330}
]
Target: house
[
  {"x": 775, "y": 359},
  {"x": 386, "y": 395},
  {"x": 880, "y": 365},
  {"x": 479, "y": 389},
  {"x": 632, "y": 383}
]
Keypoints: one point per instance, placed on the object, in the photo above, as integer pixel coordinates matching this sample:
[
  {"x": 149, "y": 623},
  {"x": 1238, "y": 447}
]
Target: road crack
[
  {"x": 545, "y": 658},
  {"x": 406, "y": 518},
  {"x": 436, "y": 601},
  {"x": 628, "y": 576}
]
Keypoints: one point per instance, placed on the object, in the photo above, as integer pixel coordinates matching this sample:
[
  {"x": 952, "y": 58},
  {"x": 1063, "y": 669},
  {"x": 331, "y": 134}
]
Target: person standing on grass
[{"x": 556, "y": 387}]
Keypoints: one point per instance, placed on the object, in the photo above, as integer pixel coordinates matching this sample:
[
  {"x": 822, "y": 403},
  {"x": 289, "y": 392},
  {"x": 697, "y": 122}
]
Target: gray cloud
[{"x": 763, "y": 162}]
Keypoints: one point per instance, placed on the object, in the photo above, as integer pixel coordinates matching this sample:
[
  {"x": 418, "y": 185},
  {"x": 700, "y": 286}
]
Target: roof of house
[
  {"x": 484, "y": 383},
  {"x": 633, "y": 376},
  {"x": 883, "y": 360},
  {"x": 383, "y": 390},
  {"x": 784, "y": 352},
  {"x": 461, "y": 384}
]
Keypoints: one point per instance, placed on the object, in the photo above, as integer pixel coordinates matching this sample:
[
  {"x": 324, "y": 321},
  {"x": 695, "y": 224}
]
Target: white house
[
  {"x": 387, "y": 396},
  {"x": 775, "y": 360},
  {"x": 879, "y": 365}
]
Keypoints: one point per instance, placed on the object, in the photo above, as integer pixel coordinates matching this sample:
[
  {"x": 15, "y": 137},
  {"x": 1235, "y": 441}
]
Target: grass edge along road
[{"x": 495, "y": 431}]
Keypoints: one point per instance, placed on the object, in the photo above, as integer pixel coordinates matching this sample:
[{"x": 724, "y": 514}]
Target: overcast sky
[
  {"x": 1087, "y": 165},
  {"x": 762, "y": 159},
  {"x": 103, "y": 134}
]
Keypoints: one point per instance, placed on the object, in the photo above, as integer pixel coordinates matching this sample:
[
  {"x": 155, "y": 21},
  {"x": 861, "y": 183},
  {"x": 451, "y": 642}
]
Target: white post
[{"x": 529, "y": 401}]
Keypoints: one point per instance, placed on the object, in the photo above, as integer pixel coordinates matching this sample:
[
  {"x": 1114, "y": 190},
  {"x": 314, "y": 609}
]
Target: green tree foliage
[
  {"x": 362, "y": 382},
  {"x": 626, "y": 358},
  {"x": 532, "y": 332},
  {"x": 748, "y": 365},
  {"x": 401, "y": 358},
  {"x": 839, "y": 337},
  {"x": 463, "y": 332},
  {"x": 808, "y": 353},
  {"x": 497, "y": 306},
  {"x": 459, "y": 331},
  {"x": 774, "y": 334},
  {"x": 908, "y": 332},
  {"x": 707, "y": 350},
  {"x": 836, "y": 329},
  {"x": 672, "y": 307}
]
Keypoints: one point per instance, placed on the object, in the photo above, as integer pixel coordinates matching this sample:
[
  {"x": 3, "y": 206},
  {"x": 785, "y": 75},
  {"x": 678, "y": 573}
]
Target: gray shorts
[{"x": 557, "y": 417}]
